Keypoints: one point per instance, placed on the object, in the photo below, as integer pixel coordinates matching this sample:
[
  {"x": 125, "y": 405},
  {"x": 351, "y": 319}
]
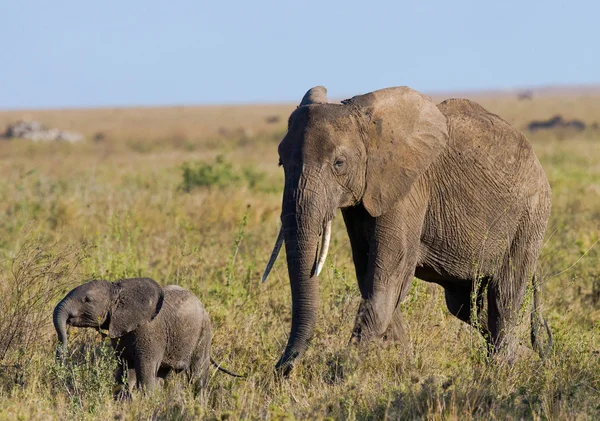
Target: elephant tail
[
  {"x": 224, "y": 370},
  {"x": 536, "y": 318}
]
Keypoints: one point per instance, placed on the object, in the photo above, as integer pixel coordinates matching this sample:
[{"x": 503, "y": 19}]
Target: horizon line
[{"x": 548, "y": 90}]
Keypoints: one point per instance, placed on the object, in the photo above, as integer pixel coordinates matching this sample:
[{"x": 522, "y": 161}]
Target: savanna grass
[{"x": 110, "y": 210}]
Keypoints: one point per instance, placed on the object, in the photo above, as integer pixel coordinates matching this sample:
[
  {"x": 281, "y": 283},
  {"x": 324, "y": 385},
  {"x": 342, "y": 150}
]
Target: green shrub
[
  {"x": 221, "y": 174},
  {"x": 30, "y": 284},
  {"x": 86, "y": 376}
]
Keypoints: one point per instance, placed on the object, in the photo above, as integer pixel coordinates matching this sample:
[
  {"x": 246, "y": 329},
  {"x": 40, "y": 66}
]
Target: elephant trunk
[
  {"x": 302, "y": 224},
  {"x": 60, "y": 317}
]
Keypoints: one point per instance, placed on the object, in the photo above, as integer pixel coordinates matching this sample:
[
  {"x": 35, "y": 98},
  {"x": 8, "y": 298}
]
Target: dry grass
[
  {"x": 159, "y": 123},
  {"x": 193, "y": 123},
  {"x": 123, "y": 201}
]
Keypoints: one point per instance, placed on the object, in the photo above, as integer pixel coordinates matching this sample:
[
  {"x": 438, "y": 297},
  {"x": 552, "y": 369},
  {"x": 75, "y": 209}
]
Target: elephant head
[
  {"x": 367, "y": 150},
  {"x": 120, "y": 306}
]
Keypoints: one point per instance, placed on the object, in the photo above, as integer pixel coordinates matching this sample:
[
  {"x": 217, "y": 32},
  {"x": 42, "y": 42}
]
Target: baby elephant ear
[
  {"x": 136, "y": 301},
  {"x": 405, "y": 132}
]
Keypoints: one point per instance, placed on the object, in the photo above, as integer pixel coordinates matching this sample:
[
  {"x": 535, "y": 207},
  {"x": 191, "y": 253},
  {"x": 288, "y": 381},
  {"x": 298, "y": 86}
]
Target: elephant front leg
[
  {"x": 396, "y": 330},
  {"x": 388, "y": 278},
  {"x": 131, "y": 378},
  {"x": 124, "y": 386},
  {"x": 145, "y": 373},
  {"x": 384, "y": 270},
  {"x": 379, "y": 314}
]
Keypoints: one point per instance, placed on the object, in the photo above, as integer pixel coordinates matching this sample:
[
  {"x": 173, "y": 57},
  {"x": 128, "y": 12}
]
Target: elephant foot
[
  {"x": 367, "y": 325},
  {"x": 510, "y": 355},
  {"x": 396, "y": 331},
  {"x": 361, "y": 336},
  {"x": 121, "y": 393}
]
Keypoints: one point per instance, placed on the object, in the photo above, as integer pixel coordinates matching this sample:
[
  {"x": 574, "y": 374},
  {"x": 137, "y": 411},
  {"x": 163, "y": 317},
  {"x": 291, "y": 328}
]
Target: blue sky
[{"x": 132, "y": 52}]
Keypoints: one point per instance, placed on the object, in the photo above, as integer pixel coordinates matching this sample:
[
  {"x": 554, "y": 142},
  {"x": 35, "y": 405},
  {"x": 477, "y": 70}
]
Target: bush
[
  {"x": 218, "y": 174},
  {"x": 221, "y": 174},
  {"x": 31, "y": 283},
  {"x": 87, "y": 377}
]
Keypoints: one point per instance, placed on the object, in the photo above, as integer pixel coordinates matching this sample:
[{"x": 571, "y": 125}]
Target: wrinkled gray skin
[
  {"x": 154, "y": 330},
  {"x": 448, "y": 193}
]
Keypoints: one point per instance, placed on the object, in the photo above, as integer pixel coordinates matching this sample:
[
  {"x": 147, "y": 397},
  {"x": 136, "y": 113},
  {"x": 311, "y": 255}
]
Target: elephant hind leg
[
  {"x": 506, "y": 292},
  {"x": 199, "y": 369}
]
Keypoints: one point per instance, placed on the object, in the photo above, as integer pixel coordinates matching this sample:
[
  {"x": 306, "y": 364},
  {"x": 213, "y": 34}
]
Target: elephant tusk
[
  {"x": 324, "y": 248},
  {"x": 274, "y": 255}
]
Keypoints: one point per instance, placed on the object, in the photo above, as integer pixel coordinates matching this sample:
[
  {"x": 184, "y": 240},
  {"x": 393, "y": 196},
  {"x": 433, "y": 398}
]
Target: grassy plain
[{"x": 191, "y": 196}]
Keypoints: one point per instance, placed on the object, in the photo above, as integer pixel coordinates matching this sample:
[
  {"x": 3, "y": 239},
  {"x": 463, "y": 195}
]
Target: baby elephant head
[{"x": 120, "y": 306}]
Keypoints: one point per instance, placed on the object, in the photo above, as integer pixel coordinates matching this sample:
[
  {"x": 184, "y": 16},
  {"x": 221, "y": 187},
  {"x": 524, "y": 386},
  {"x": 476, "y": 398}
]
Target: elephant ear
[
  {"x": 136, "y": 301},
  {"x": 405, "y": 132},
  {"x": 315, "y": 95}
]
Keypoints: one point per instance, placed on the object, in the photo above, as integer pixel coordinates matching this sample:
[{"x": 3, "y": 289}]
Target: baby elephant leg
[
  {"x": 200, "y": 364},
  {"x": 124, "y": 386},
  {"x": 145, "y": 371}
]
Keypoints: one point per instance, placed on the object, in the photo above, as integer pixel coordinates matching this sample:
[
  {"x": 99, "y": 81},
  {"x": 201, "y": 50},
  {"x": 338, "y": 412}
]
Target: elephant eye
[
  {"x": 339, "y": 163},
  {"x": 87, "y": 299}
]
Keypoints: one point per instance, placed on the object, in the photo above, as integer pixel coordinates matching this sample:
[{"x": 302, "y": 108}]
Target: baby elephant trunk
[{"x": 60, "y": 316}]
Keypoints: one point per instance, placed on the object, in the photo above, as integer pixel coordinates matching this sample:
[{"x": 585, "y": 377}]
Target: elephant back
[
  {"x": 481, "y": 139},
  {"x": 185, "y": 322},
  {"x": 183, "y": 303}
]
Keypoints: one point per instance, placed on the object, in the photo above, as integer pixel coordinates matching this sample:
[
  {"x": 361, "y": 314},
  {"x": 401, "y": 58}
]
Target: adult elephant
[{"x": 451, "y": 194}]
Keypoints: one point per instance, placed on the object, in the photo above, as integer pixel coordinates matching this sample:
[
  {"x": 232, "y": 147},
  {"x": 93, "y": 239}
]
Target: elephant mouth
[
  {"x": 323, "y": 249},
  {"x": 81, "y": 321},
  {"x": 73, "y": 321}
]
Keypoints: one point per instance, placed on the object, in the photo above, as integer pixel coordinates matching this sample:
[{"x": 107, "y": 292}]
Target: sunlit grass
[{"x": 121, "y": 203}]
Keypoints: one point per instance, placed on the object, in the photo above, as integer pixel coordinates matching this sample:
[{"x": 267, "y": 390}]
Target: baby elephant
[{"x": 154, "y": 330}]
